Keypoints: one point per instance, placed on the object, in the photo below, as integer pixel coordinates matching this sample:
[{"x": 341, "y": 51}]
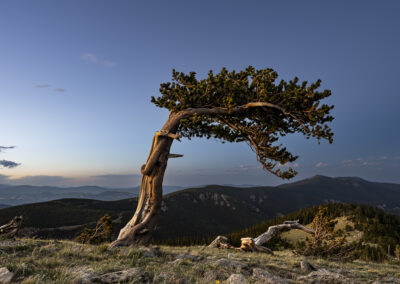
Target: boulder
[{"x": 237, "y": 279}]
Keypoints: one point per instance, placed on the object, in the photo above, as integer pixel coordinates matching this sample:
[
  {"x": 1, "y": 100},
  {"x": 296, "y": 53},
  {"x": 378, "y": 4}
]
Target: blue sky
[{"x": 76, "y": 79}]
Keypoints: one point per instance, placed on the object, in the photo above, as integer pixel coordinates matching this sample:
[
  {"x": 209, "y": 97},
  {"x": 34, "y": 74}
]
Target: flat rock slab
[
  {"x": 263, "y": 276},
  {"x": 134, "y": 274},
  {"x": 323, "y": 276}
]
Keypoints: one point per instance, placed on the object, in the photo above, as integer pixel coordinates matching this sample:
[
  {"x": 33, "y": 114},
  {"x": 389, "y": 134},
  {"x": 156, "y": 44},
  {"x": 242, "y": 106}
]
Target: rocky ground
[{"x": 39, "y": 261}]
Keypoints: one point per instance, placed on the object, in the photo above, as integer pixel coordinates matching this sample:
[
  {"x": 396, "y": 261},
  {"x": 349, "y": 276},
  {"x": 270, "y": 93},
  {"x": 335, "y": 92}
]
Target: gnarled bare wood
[
  {"x": 10, "y": 229},
  {"x": 174, "y": 156},
  {"x": 248, "y": 244},
  {"x": 256, "y": 244},
  {"x": 220, "y": 242},
  {"x": 274, "y": 230}
]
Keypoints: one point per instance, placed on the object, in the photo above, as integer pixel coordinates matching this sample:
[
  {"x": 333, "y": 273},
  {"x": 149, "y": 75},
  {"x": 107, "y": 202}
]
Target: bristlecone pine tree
[{"x": 247, "y": 106}]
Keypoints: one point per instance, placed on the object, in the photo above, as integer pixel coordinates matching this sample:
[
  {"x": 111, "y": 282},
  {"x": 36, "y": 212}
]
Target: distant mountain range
[
  {"x": 205, "y": 211},
  {"x": 11, "y": 195}
]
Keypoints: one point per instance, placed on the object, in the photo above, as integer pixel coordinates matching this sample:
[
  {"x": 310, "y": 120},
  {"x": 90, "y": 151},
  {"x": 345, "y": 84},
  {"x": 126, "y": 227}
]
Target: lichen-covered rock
[
  {"x": 323, "y": 276},
  {"x": 227, "y": 263},
  {"x": 237, "y": 279},
  {"x": 262, "y": 276},
  {"x": 84, "y": 275},
  {"x": 5, "y": 275},
  {"x": 88, "y": 276}
]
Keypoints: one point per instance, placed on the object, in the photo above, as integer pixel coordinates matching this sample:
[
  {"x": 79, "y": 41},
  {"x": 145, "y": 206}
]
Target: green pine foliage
[{"x": 294, "y": 107}]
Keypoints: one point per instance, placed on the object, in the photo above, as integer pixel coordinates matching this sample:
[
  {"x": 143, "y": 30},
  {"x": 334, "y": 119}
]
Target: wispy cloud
[
  {"x": 8, "y": 164},
  {"x": 289, "y": 165},
  {"x": 321, "y": 165},
  {"x": 46, "y": 86},
  {"x": 370, "y": 164},
  {"x": 90, "y": 57},
  {"x": 96, "y": 59},
  {"x": 41, "y": 86},
  {"x": 2, "y": 148},
  {"x": 243, "y": 167}
]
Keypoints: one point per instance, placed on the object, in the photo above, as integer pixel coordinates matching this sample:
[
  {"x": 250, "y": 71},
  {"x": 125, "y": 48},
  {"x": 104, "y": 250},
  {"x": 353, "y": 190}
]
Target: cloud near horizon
[
  {"x": 2, "y": 148},
  {"x": 321, "y": 165},
  {"x": 8, "y": 164}
]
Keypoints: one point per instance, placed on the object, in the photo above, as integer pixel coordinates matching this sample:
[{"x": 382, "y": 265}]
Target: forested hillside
[{"x": 207, "y": 211}]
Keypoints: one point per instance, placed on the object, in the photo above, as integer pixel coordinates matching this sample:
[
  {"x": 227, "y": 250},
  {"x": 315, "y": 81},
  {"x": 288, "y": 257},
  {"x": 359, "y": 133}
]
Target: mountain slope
[{"x": 206, "y": 211}]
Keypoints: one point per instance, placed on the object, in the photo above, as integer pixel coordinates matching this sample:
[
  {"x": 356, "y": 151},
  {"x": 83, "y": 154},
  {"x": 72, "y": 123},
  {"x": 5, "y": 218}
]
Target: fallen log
[
  {"x": 256, "y": 244},
  {"x": 10, "y": 229}
]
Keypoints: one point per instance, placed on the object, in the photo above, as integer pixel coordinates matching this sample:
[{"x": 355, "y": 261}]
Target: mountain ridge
[{"x": 205, "y": 211}]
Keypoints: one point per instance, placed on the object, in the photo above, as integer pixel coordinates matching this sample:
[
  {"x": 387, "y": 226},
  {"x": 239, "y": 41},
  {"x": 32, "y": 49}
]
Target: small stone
[
  {"x": 237, "y": 279},
  {"x": 149, "y": 251},
  {"x": 187, "y": 256},
  {"x": 306, "y": 266},
  {"x": 5, "y": 275}
]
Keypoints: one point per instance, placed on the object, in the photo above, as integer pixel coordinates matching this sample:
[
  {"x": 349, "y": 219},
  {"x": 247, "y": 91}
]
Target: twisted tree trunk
[{"x": 140, "y": 228}]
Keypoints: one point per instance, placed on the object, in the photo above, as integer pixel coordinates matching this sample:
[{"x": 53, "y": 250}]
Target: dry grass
[{"x": 42, "y": 261}]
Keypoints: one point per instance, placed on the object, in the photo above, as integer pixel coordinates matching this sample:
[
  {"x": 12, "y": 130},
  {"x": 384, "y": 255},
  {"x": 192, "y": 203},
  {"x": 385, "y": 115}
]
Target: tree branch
[{"x": 274, "y": 230}]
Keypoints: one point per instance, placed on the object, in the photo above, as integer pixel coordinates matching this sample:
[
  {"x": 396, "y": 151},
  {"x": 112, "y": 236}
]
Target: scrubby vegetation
[{"x": 100, "y": 234}]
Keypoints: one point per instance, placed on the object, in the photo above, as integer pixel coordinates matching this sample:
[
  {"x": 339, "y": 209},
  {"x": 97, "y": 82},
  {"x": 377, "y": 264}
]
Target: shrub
[{"x": 100, "y": 234}]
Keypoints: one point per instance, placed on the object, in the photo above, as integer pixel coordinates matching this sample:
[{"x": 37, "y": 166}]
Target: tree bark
[{"x": 140, "y": 228}]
